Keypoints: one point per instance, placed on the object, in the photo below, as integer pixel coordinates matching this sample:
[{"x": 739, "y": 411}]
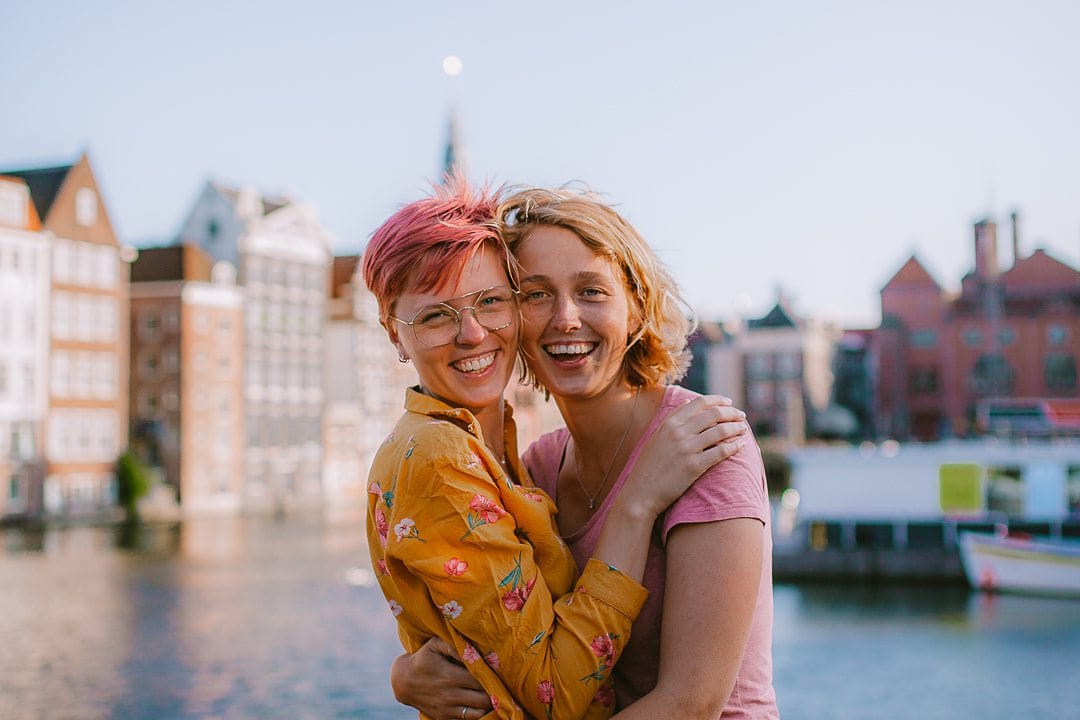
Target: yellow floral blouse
[{"x": 463, "y": 553}]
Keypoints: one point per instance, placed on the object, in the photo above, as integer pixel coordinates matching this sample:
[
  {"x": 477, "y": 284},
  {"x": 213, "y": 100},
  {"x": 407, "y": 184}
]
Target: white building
[
  {"x": 364, "y": 380},
  {"x": 282, "y": 254},
  {"x": 24, "y": 347}
]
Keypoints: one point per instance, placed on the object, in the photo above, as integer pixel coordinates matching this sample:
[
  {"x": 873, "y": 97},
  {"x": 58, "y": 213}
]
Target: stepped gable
[{"x": 912, "y": 274}]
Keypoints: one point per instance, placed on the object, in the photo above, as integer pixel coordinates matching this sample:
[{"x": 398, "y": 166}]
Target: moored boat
[{"x": 1007, "y": 563}]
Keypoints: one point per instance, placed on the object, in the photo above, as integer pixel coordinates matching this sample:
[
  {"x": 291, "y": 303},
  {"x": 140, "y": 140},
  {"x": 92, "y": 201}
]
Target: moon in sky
[{"x": 452, "y": 65}]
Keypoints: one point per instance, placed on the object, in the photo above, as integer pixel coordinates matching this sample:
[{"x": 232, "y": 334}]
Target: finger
[
  {"x": 711, "y": 415},
  {"x": 438, "y": 645},
  {"x": 720, "y": 452},
  {"x": 730, "y": 430},
  {"x": 692, "y": 409}
]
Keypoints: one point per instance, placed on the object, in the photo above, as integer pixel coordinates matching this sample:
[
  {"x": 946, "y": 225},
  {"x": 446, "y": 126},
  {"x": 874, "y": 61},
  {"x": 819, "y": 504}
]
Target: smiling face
[
  {"x": 471, "y": 371},
  {"x": 576, "y": 314}
]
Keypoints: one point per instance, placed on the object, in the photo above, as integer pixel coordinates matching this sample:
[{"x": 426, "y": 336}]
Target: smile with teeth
[
  {"x": 570, "y": 348},
  {"x": 475, "y": 364}
]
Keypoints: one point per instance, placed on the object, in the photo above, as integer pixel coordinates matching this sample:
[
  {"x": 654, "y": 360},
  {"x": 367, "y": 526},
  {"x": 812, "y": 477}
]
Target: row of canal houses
[{"x": 242, "y": 361}]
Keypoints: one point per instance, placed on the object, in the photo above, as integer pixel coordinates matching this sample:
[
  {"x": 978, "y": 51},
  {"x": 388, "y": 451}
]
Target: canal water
[{"x": 260, "y": 618}]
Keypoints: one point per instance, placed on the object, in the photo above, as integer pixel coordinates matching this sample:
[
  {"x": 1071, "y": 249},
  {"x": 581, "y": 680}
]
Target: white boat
[{"x": 1005, "y": 563}]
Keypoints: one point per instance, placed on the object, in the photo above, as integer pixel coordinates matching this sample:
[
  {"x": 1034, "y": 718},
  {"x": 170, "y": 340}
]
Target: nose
[
  {"x": 566, "y": 317},
  {"x": 471, "y": 331}
]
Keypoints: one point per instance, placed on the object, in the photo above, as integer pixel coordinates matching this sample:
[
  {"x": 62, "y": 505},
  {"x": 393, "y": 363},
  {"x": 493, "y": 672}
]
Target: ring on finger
[{"x": 464, "y": 711}]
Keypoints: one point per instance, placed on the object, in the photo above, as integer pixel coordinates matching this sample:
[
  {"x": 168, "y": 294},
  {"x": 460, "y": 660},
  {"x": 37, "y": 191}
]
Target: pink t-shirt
[{"x": 735, "y": 488}]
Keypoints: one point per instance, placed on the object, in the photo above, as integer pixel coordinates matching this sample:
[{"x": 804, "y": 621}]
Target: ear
[{"x": 392, "y": 332}]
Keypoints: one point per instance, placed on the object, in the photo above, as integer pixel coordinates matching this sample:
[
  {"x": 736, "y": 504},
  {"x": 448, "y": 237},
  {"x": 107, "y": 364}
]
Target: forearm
[{"x": 624, "y": 540}]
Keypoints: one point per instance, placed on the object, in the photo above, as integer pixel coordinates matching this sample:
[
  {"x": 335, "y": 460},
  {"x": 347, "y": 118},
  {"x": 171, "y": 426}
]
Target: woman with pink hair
[{"x": 465, "y": 545}]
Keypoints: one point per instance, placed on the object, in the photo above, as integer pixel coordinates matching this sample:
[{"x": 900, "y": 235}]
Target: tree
[{"x": 133, "y": 482}]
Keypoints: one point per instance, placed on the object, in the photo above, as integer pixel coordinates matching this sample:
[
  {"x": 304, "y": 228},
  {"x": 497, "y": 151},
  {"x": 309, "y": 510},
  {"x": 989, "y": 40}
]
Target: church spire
[{"x": 453, "y": 155}]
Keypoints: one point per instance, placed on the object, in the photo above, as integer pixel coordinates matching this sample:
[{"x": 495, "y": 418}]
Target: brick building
[
  {"x": 187, "y": 360},
  {"x": 1008, "y": 335}
]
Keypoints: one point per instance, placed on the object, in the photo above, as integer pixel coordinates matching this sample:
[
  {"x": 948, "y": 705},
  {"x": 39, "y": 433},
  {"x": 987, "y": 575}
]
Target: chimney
[
  {"x": 1015, "y": 218},
  {"x": 986, "y": 260}
]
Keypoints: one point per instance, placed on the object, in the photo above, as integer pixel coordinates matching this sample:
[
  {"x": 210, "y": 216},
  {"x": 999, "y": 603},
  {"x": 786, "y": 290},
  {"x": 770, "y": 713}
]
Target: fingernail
[{"x": 742, "y": 415}]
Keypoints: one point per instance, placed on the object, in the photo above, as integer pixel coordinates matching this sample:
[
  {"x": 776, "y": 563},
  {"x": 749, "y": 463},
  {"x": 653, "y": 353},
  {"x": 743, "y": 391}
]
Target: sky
[{"x": 805, "y": 147}]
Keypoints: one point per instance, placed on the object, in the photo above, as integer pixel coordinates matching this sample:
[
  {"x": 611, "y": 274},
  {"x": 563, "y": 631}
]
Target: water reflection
[{"x": 262, "y": 618}]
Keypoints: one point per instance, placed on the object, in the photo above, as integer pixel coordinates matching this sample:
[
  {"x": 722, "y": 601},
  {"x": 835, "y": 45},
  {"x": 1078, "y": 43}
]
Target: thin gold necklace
[{"x": 607, "y": 474}]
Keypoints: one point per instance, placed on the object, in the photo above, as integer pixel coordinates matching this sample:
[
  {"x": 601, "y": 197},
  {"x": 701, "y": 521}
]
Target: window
[
  {"x": 3, "y": 379},
  {"x": 788, "y": 365},
  {"x": 760, "y": 394},
  {"x": 86, "y": 207},
  {"x": 973, "y": 337},
  {"x": 924, "y": 339},
  {"x": 106, "y": 266},
  {"x": 61, "y": 371},
  {"x": 1006, "y": 336},
  {"x": 992, "y": 376},
  {"x": 1056, "y": 335},
  {"x": 759, "y": 365},
  {"x": 1060, "y": 372},
  {"x": 151, "y": 323},
  {"x": 61, "y": 315},
  {"x": 924, "y": 380},
  {"x": 62, "y": 252}
]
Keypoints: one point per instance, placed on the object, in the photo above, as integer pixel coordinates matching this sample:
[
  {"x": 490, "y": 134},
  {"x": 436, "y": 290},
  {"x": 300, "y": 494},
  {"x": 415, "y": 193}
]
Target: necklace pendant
[{"x": 592, "y": 504}]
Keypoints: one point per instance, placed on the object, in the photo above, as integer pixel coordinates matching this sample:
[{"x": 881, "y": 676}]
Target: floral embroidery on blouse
[{"x": 491, "y": 592}]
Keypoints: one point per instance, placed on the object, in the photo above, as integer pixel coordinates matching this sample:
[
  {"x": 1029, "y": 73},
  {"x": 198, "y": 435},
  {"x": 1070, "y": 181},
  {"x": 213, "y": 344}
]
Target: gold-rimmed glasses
[{"x": 495, "y": 308}]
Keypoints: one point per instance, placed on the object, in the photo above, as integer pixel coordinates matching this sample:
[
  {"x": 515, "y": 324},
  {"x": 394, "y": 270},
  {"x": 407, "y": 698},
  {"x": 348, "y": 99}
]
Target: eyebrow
[{"x": 580, "y": 276}]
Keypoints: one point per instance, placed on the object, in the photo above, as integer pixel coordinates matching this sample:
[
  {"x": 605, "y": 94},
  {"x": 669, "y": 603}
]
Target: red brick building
[{"x": 1009, "y": 337}]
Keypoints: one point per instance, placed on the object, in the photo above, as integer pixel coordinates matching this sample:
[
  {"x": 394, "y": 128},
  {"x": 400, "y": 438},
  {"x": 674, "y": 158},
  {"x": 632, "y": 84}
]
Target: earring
[{"x": 403, "y": 359}]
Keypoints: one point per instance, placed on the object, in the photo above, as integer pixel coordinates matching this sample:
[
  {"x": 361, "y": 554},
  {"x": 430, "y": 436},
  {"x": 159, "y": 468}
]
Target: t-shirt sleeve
[
  {"x": 452, "y": 535},
  {"x": 733, "y": 488}
]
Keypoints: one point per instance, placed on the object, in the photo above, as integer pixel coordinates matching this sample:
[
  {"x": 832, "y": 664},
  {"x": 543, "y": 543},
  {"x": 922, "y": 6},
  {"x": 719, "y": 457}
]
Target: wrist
[{"x": 635, "y": 509}]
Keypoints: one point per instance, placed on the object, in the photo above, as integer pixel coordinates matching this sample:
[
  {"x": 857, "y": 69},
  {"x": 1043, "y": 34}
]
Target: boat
[{"x": 995, "y": 562}]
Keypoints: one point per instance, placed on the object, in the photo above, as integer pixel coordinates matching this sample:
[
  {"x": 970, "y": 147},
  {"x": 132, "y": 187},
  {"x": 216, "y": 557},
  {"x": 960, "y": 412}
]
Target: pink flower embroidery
[
  {"x": 545, "y": 692},
  {"x": 381, "y": 525},
  {"x": 451, "y": 609},
  {"x": 486, "y": 509},
  {"x": 380, "y": 565},
  {"x": 492, "y": 659},
  {"x": 374, "y": 489},
  {"x": 514, "y": 600},
  {"x": 403, "y": 528},
  {"x": 602, "y": 647},
  {"x": 533, "y": 496},
  {"x": 605, "y": 696},
  {"x": 494, "y": 703},
  {"x": 469, "y": 654},
  {"x": 395, "y": 607},
  {"x": 455, "y": 567}
]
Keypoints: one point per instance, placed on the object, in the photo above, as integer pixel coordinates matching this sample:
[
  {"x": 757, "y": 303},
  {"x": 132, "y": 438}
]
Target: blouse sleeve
[{"x": 450, "y": 533}]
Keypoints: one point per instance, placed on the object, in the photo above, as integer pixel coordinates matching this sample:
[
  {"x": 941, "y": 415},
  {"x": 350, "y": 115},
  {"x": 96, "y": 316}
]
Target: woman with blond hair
[
  {"x": 465, "y": 546},
  {"x": 604, "y": 331}
]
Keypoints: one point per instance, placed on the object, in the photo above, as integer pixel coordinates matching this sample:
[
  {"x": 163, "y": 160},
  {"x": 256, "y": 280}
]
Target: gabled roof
[
  {"x": 913, "y": 274},
  {"x": 44, "y": 184},
  {"x": 269, "y": 204},
  {"x": 1040, "y": 271},
  {"x": 778, "y": 317}
]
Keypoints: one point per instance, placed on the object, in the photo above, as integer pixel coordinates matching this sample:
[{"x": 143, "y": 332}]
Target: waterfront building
[
  {"x": 1008, "y": 338},
  {"x": 365, "y": 383},
  {"x": 86, "y": 420},
  {"x": 282, "y": 256},
  {"x": 24, "y": 349},
  {"x": 787, "y": 371},
  {"x": 187, "y": 362}
]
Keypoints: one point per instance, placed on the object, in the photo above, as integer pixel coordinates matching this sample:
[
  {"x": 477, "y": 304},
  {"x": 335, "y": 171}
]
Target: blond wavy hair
[{"x": 657, "y": 352}]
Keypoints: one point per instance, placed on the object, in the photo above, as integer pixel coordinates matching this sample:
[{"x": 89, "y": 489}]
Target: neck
[
  {"x": 491, "y": 424},
  {"x": 598, "y": 422}
]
